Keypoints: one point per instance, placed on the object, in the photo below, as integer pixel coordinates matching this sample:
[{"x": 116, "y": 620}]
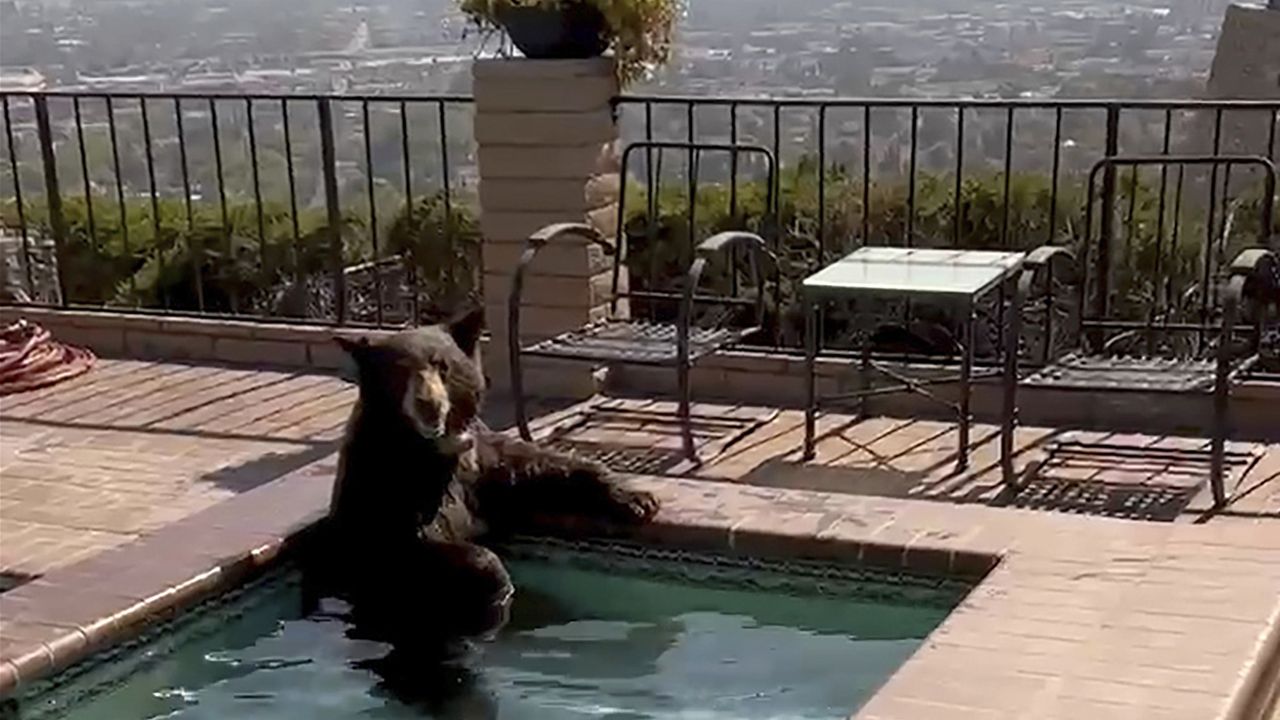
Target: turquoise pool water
[{"x": 618, "y": 634}]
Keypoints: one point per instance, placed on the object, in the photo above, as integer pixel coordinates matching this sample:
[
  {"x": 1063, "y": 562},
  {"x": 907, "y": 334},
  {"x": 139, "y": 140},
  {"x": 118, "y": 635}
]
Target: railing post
[
  {"x": 329, "y": 166},
  {"x": 19, "y": 205},
  {"x": 53, "y": 192},
  {"x": 1106, "y": 231}
]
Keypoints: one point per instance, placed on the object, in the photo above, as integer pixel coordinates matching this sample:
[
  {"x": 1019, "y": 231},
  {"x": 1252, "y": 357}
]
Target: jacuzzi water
[{"x": 622, "y": 634}]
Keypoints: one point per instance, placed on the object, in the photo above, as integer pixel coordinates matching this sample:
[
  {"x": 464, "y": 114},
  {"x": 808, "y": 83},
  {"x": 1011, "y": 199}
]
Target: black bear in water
[{"x": 421, "y": 479}]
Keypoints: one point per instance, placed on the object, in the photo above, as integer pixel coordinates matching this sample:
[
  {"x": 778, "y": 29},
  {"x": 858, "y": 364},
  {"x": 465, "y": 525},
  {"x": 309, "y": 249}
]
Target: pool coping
[{"x": 71, "y": 613}]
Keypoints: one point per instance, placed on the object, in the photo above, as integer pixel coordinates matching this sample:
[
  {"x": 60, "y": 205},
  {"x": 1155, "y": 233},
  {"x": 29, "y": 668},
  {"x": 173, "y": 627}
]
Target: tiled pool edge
[
  {"x": 74, "y": 645},
  {"x": 1259, "y": 695},
  {"x": 61, "y": 618},
  {"x": 120, "y": 592},
  {"x": 222, "y": 546},
  {"x": 1080, "y": 617}
]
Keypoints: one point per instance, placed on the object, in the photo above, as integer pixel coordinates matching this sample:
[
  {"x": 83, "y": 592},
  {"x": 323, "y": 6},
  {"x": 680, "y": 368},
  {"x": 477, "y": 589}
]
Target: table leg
[
  {"x": 864, "y": 379},
  {"x": 1001, "y": 335},
  {"x": 1009, "y": 405},
  {"x": 966, "y": 373},
  {"x": 810, "y": 384}
]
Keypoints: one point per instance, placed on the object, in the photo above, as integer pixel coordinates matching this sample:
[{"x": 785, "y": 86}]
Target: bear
[{"x": 422, "y": 483}]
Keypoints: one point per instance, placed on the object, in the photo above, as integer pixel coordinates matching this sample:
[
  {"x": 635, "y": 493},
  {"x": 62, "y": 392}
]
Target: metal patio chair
[
  {"x": 621, "y": 339},
  {"x": 1114, "y": 354}
]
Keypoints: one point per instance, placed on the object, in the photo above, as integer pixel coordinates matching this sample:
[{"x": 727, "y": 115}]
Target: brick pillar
[{"x": 548, "y": 153}]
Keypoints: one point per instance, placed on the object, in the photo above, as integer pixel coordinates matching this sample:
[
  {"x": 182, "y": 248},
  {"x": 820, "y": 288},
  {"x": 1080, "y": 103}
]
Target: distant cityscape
[
  {"x": 1074, "y": 48},
  {"x": 811, "y": 49}
]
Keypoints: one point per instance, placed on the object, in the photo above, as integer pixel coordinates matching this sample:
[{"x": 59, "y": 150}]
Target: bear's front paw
[{"x": 634, "y": 506}]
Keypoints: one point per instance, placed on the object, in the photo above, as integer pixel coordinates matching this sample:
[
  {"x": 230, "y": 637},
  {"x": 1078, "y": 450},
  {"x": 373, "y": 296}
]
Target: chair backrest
[
  {"x": 1177, "y": 259},
  {"x": 667, "y": 265}
]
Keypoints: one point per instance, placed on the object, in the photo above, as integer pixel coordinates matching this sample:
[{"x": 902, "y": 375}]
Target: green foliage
[
  {"x": 196, "y": 262},
  {"x": 1143, "y": 248},
  {"x": 444, "y": 252}
]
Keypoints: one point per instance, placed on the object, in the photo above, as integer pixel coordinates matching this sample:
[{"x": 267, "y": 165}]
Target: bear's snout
[{"x": 430, "y": 405}]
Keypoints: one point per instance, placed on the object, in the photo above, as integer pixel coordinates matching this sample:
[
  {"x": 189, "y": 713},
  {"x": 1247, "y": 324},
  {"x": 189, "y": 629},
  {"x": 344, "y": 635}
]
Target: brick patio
[
  {"x": 914, "y": 459},
  {"x": 143, "y": 485},
  {"x": 134, "y": 446}
]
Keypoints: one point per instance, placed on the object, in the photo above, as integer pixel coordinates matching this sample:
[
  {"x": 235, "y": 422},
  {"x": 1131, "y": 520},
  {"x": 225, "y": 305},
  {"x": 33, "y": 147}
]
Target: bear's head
[{"x": 427, "y": 380}]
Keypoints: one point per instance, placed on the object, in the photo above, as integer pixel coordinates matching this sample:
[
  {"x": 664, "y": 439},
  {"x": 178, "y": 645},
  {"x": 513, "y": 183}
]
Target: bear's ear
[
  {"x": 358, "y": 348},
  {"x": 466, "y": 329}
]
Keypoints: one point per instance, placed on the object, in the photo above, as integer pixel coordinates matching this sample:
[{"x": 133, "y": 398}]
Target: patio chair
[
  {"x": 1117, "y": 354},
  {"x": 620, "y": 338}
]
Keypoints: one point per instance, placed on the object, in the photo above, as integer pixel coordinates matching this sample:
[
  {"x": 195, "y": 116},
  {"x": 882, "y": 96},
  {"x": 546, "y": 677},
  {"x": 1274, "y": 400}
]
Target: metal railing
[
  {"x": 245, "y": 205},
  {"x": 317, "y": 206},
  {"x": 979, "y": 174},
  {"x": 1110, "y": 114}
]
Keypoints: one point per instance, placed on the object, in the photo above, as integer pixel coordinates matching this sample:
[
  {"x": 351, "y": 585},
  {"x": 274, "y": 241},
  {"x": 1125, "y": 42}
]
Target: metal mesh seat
[
  {"x": 639, "y": 343},
  {"x": 1244, "y": 289},
  {"x": 618, "y": 338},
  {"x": 1123, "y": 479},
  {"x": 1091, "y": 372},
  {"x": 622, "y": 340}
]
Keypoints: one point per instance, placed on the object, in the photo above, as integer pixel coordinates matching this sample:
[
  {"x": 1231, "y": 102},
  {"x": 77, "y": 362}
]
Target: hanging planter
[
  {"x": 548, "y": 32},
  {"x": 636, "y": 32}
]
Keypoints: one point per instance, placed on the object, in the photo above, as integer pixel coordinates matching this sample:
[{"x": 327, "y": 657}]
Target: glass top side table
[{"x": 962, "y": 277}]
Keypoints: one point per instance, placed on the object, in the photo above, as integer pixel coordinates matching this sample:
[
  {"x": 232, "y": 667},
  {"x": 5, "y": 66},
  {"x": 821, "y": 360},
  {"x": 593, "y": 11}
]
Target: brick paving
[
  {"x": 142, "y": 485},
  {"x": 134, "y": 446},
  {"x": 915, "y": 459}
]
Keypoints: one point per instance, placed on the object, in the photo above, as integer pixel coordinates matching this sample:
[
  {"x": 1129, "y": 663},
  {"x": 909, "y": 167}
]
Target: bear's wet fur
[{"x": 421, "y": 481}]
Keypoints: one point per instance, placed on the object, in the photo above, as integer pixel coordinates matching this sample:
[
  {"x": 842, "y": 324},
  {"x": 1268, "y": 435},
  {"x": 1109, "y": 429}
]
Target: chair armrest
[
  {"x": 541, "y": 239},
  {"x": 728, "y": 241},
  {"x": 1258, "y": 272},
  {"x": 1046, "y": 255},
  {"x": 532, "y": 245},
  {"x": 734, "y": 239},
  {"x": 1041, "y": 261},
  {"x": 1261, "y": 268},
  {"x": 1253, "y": 277},
  {"x": 718, "y": 244},
  {"x": 558, "y": 230}
]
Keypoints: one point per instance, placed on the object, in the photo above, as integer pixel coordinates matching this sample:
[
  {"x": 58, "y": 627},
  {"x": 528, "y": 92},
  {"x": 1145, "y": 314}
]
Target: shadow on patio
[{"x": 1125, "y": 475}]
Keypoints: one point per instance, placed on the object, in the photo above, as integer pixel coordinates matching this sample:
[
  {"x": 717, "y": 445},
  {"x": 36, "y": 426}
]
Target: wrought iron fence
[
  {"x": 350, "y": 208},
  {"x": 970, "y": 173},
  {"x": 329, "y": 208}
]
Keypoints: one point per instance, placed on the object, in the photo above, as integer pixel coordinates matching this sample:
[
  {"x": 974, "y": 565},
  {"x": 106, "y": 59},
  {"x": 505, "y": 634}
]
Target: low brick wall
[
  {"x": 159, "y": 337},
  {"x": 741, "y": 376},
  {"x": 774, "y": 379}
]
